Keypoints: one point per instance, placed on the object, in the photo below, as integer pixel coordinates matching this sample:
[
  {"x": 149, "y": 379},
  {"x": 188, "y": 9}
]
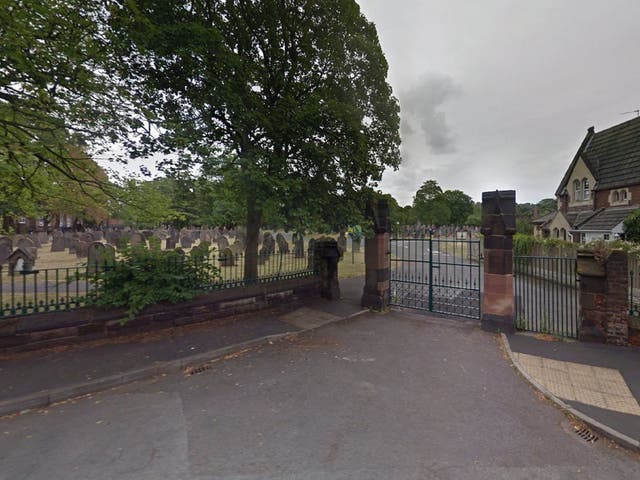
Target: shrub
[{"x": 143, "y": 277}]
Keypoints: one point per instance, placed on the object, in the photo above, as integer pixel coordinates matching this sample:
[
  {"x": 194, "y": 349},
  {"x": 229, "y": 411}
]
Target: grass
[{"x": 351, "y": 265}]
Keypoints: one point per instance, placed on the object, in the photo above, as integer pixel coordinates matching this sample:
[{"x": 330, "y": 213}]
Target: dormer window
[
  {"x": 577, "y": 192},
  {"x": 624, "y": 195},
  {"x": 586, "y": 193},
  {"x": 616, "y": 196}
]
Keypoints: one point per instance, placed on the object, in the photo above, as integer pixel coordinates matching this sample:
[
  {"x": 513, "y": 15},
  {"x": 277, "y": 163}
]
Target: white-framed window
[
  {"x": 624, "y": 195},
  {"x": 577, "y": 192},
  {"x": 586, "y": 193},
  {"x": 616, "y": 196}
]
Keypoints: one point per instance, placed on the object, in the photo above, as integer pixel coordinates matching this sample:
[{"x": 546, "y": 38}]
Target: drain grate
[
  {"x": 195, "y": 370},
  {"x": 586, "y": 434}
]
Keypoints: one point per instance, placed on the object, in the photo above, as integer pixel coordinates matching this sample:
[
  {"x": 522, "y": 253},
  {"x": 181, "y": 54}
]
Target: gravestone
[
  {"x": 268, "y": 244},
  {"x": 68, "y": 240},
  {"x": 43, "y": 237},
  {"x": 112, "y": 237},
  {"x": 226, "y": 258},
  {"x": 195, "y": 234},
  {"x": 186, "y": 241},
  {"x": 237, "y": 248},
  {"x": 137, "y": 239},
  {"x": 35, "y": 239},
  {"x": 161, "y": 234},
  {"x": 222, "y": 243},
  {"x": 298, "y": 245},
  {"x": 283, "y": 245},
  {"x": 99, "y": 256},
  {"x": 97, "y": 235},
  {"x": 57, "y": 245},
  {"x": 170, "y": 243},
  {"x": 146, "y": 234},
  {"x": 81, "y": 248},
  {"x": 6, "y": 247},
  {"x": 342, "y": 242},
  {"x": 27, "y": 244}
]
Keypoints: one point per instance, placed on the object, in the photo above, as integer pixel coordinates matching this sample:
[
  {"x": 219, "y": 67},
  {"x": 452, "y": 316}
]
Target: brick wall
[{"x": 59, "y": 328}]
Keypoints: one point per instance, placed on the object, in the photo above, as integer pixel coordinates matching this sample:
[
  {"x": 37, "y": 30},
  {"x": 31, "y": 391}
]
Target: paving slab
[{"x": 601, "y": 381}]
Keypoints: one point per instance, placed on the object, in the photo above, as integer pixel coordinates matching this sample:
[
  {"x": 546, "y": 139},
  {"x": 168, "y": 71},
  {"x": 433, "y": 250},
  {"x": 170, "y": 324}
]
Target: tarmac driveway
[{"x": 397, "y": 396}]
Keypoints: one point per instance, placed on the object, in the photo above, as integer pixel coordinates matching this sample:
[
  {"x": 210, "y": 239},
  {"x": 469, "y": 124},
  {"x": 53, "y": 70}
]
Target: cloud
[{"x": 422, "y": 115}]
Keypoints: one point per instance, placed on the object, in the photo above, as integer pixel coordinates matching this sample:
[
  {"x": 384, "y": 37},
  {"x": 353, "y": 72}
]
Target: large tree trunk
[{"x": 254, "y": 222}]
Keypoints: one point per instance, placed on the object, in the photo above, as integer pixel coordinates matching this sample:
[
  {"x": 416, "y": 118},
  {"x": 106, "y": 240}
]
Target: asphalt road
[{"x": 395, "y": 396}]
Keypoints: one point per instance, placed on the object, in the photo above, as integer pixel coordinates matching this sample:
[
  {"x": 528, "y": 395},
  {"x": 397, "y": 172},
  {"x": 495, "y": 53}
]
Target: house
[{"x": 600, "y": 188}]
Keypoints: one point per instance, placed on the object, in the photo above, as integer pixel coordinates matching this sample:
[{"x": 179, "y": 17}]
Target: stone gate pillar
[
  {"x": 498, "y": 228},
  {"x": 604, "y": 297},
  {"x": 376, "y": 259}
]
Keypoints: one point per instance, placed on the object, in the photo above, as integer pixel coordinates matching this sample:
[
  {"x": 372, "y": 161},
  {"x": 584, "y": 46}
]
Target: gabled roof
[
  {"x": 606, "y": 219},
  {"x": 544, "y": 219},
  {"x": 576, "y": 218},
  {"x": 612, "y": 156}
]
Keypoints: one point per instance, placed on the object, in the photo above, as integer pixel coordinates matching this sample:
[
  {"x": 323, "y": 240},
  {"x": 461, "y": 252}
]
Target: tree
[
  {"x": 632, "y": 227},
  {"x": 460, "y": 204},
  {"x": 430, "y": 205},
  {"x": 58, "y": 91},
  {"x": 287, "y": 101}
]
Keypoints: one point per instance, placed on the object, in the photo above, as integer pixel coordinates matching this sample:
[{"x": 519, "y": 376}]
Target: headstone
[
  {"x": 195, "y": 234},
  {"x": 112, "y": 237},
  {"x": 283, "y": 245},
  {"x": 6, "y": 248},
  {"x": 222, "y": 243},
  {"x": 137, "y": 239},
  {"x": 43, "y": 237},
  {"x": 146, "y": 234},
  {"x": 342, "y": 242},
  {"x": 68, "y": 240},
  {"x": 35, "y": 239},
  {"x": 186, "y": 241},
  {"x": 99, "y": 256},
  {"x": 237, "y": 248},
  {"x": 27, "y": 244},
  {"x": 205, "y": 236},
  {"x": 268, "y": 244},
  {"x": 81, "y": 248},
  {"x": 170, "y": 243},
  {"x": 97, "y": 235},
  {"x": 161, "y": 234},
  {"x": 57, "y": 245},
  {"x": 226, "y": 258},
  {"x": 298, "y": 245}
]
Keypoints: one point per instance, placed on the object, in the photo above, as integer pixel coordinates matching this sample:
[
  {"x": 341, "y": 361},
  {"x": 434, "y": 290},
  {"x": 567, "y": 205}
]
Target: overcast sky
[{"x": 500, "y": 93}]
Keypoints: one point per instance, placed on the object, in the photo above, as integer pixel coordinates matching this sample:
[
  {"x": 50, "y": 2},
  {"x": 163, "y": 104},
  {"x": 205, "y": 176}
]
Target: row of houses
[{"x": 600, "y": 188}]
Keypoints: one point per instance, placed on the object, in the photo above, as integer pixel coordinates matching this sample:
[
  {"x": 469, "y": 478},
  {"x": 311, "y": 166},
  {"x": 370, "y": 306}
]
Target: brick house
[{"x": 600, "y": 188}]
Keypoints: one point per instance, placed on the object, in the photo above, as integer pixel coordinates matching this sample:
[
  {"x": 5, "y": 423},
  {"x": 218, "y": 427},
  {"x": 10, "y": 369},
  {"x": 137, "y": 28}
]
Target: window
[
  {"x": 606, "y": 236},
  {"x": 563, "y": 233},
  {"x": 556, "y": 233},
  {"x": 586, "y": 193},
  {"x": 616, "y": 196},
  {"x": 624, "y": 195},
  {"x": 577, "y": 194}
]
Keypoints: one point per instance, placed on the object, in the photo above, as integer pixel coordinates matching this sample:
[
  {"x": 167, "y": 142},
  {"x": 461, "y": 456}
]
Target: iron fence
[
  {"x": 546, "y": 295},
  {"x": 60, "y": 289}
]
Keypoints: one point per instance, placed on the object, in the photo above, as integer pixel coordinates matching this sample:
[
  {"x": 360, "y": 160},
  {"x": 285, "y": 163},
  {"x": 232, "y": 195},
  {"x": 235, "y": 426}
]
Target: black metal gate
[
  {"x": 547, "y": 293},
  {"x": 434, "y": 274}
]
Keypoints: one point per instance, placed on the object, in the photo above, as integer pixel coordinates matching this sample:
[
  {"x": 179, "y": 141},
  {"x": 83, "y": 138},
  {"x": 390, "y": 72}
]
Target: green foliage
[
  {"x": 632, "y": 227},
  {"x": 356, "y": 233},
  {"x": 289, "y": 103},
  {"x": 143, "y": 277},
  {"x": 460, "y": 204},
  {"x": 524, "y": 245}
]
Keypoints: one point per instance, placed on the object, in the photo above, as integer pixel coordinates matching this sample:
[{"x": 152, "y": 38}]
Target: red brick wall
[{"x": 602, "y": 197}]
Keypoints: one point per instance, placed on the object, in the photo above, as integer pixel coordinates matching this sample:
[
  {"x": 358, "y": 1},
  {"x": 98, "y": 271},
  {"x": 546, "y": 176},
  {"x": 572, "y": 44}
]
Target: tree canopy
[{"x": 286, "y": 100}]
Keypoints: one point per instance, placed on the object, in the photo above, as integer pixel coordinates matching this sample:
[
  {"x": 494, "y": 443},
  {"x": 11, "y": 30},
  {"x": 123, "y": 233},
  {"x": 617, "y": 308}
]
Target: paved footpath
[
  {"x": 396, "y": 396},
  {"x": 35, "y": 379},
  {"x": 599, "y": 381}
]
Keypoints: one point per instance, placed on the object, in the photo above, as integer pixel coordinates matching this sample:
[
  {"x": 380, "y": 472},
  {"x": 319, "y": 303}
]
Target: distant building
[{"x": 600, "y": 188}]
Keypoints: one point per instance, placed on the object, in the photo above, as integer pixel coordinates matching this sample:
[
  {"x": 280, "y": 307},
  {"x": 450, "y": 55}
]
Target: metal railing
[
  {"x": 61, "y": 289},
  {"x": 546, "y": 294}
]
